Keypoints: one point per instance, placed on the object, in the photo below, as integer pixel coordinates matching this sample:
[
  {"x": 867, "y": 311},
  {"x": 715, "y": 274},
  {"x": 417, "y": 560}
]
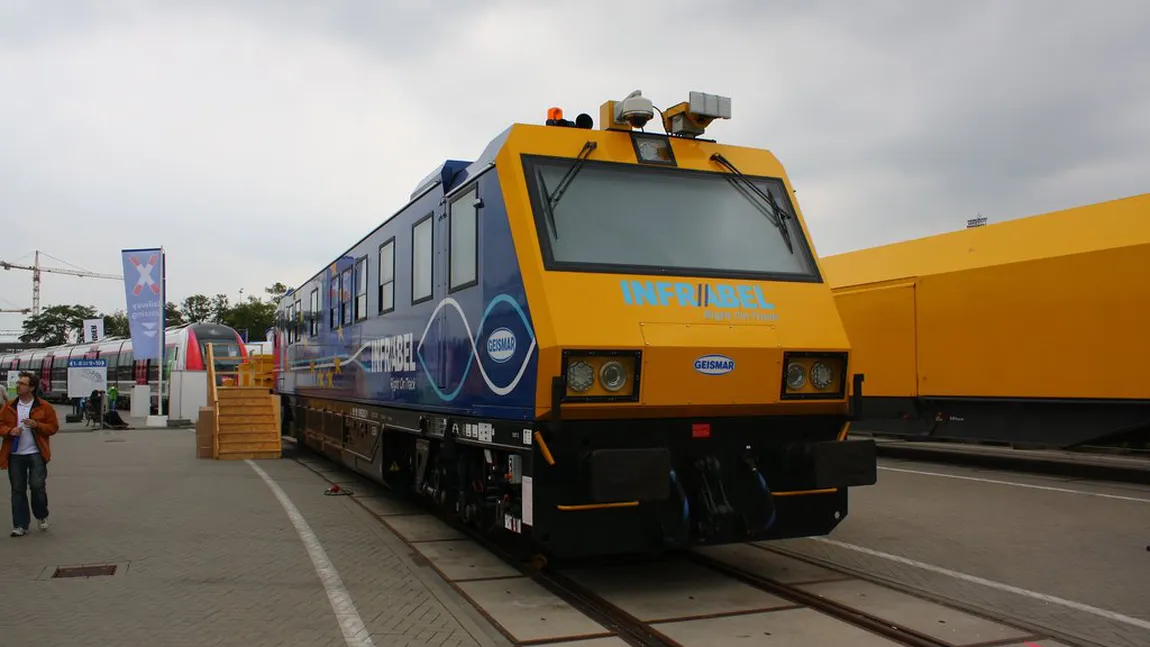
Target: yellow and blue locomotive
[{"x": 608, "y": 339}]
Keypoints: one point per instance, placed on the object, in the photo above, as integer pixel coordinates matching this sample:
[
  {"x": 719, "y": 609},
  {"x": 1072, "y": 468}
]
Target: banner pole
[{"x": 163, "y": 329}]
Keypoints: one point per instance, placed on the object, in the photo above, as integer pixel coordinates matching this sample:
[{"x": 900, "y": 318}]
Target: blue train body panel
[{"x": 465, "y": 351}]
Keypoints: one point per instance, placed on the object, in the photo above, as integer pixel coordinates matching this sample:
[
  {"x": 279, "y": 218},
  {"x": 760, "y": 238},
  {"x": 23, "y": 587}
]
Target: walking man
[{"x": 26, "y": 424}]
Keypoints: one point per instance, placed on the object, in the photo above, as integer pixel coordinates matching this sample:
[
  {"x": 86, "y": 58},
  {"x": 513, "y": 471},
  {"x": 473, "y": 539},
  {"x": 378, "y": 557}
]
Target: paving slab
[
  {"x": 786, "y": 628},
  {"x": 593, "y": 642},
  {"x": 953, "y": 626},
  {"x": 769, "y": 565},
  {"x": 463, "y": 559},
  {"x": 528, "y": 611},
  {"x": 658, "y": 591},
  {"x": 422, "y": 527},
  {"x": 386, "y": 505}
]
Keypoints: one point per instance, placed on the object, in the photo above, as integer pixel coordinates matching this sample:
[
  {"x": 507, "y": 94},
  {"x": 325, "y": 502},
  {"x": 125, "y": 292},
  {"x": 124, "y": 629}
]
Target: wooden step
[
  {"x": 247, "y": 419},
  {"x": 243, "y": 392},
  {"x": 251, "y": 417},
  {"x": 241, "y": 448},
  {"x": 253, "y": 436},
  {"x": 232, "y": 412},
  {"x": 251, "y": 455},
  {"x": 231, "y": 404},
  {"x": 232, "y": 430},
  {"x": 247, "y": 429}
]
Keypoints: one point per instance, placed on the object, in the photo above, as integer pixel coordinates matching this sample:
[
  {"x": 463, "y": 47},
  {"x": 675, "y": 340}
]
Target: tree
[
  {"x": 277, "y": 290},
  {"x": 197, "y": 308},
  {"x": 254, "y": 316},
  {"x": 116, "y": 324},
  {"x": 172, "y": 315},
  {"x": 57, "y": 325},
  {"x": 220, "y": 308}
]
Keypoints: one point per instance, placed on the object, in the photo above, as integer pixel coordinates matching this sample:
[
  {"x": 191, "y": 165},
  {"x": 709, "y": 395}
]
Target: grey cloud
[{"x": 977, "y": 111}]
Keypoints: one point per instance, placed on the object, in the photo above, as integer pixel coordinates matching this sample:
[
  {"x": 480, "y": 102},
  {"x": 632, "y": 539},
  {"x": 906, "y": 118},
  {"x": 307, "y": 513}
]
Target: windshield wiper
[
  {"x": 552, "y": 199},
  {"x": 778, "y": 217},
  {"x": 547, "y": 203},
  {"x": 574, "y": 169}
]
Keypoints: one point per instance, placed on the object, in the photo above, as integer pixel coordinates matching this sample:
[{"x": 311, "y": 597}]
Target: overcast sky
[{"x": 257, "y": 140}]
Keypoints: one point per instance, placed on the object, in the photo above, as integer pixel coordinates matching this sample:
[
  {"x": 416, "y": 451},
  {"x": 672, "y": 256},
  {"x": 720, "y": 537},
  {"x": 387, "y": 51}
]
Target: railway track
[{"x": 618, "y": 620}]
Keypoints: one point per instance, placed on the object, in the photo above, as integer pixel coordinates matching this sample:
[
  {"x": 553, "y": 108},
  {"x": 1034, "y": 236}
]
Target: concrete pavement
[{"x": 206, "y": 555}]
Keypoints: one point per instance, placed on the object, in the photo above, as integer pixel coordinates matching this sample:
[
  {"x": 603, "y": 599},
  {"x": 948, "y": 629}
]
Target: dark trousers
[{"x": 24, "y": 472}]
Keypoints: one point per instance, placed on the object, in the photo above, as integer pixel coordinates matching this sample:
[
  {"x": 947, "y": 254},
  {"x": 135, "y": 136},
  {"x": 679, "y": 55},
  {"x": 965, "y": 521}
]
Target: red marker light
[{"x": 701, "y": 430}]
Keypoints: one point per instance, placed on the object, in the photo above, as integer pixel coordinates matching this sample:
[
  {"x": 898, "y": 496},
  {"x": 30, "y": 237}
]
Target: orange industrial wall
[
  {"x": 1065, "y": 327},
  {"x": 1049, "y": 306}
]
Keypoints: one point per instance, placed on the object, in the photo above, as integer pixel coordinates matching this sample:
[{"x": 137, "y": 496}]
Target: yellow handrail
[{"x": 214, "y": 401}]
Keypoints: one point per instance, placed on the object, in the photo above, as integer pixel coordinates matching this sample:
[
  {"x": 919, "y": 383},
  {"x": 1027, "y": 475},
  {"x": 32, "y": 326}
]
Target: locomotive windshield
[{"x": 646, "y": 220}]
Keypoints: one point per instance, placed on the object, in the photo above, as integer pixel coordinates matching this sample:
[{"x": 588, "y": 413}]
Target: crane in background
[{"x": 37, "y": 268}]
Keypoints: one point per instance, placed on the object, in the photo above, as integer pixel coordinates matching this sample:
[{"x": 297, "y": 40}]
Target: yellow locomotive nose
[{"x": 709, "y": 363}]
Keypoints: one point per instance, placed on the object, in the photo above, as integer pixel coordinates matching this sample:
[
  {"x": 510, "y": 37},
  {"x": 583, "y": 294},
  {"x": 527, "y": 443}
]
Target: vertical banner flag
[
  {"x": 143, "y": 283},
  {"x": 93, "y": 330}
]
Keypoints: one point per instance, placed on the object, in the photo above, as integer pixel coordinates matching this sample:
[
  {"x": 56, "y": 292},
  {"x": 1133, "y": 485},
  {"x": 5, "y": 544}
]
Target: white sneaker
[
  {"x": 18, "y": 532},
  {"x": 42, "y": 524}
]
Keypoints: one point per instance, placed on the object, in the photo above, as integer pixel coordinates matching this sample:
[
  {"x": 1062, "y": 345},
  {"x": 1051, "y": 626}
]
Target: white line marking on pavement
[
  {"x": 1110, "y": 615},
  {"x": 354, "y": 631},
  {"x": 1025, "y": 485}
]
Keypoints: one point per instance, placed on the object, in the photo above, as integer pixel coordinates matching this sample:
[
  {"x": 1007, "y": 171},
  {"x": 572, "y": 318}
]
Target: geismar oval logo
[
  {"x": 714, "y": 364},
  {"x": 501, "y": 345}
]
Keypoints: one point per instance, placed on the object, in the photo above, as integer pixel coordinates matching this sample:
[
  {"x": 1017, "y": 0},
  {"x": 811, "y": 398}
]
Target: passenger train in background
[
  {"x": 604, "y": 341},
  {"x": 184, "y": 350}
]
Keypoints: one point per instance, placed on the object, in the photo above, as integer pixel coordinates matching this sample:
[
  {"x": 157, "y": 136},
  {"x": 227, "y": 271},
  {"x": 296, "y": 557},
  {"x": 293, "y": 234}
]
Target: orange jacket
[{"x": 43, "y": 413}]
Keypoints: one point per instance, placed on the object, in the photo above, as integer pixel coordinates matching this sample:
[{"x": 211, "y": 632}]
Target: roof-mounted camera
[
  {"x": 636, "y": 110},
  {"x": 632, "y": 112}
]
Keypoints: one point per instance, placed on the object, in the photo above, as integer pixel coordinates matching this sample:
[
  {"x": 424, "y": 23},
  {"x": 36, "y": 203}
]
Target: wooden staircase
[
  {"x": 247, "y": 423},
  {"x": 245, "y": 419}
]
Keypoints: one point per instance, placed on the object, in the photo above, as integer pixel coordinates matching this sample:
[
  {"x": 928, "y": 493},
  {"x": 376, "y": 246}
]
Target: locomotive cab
[
  {"x": 694, "y": 381},
  {"x": 601, "y": 339}
]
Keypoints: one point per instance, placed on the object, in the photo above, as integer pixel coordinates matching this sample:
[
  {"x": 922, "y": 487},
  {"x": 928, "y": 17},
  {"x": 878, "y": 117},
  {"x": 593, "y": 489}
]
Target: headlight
[
  {"x": 580, "y": 376},
  {"x": 602, "y": 375},
  {"x": 821, "y": 376},
  {"x": 814, "y": 375},
  {"x": 796, "y": 376},
  {"x": 612, "y": 376}
]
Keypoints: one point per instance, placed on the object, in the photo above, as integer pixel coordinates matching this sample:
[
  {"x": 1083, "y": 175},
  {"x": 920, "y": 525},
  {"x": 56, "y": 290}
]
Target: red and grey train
[{"x": 184, "y": 350}]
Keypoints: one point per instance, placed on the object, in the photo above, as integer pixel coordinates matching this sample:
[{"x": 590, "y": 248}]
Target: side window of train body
[
  {"x": 297, "y": 320},
  {"x": 286, "y": 317},
  {"x": 387, "y": 276},
  {"x": 422, "y": 255},
  {"x": 345, "y": 294},
  {"x": 333, "y": 303},
  {"x": 463, "y": 228},
  {"x": 314, "y": 313},
  {"x": 361, "y": 288}
]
